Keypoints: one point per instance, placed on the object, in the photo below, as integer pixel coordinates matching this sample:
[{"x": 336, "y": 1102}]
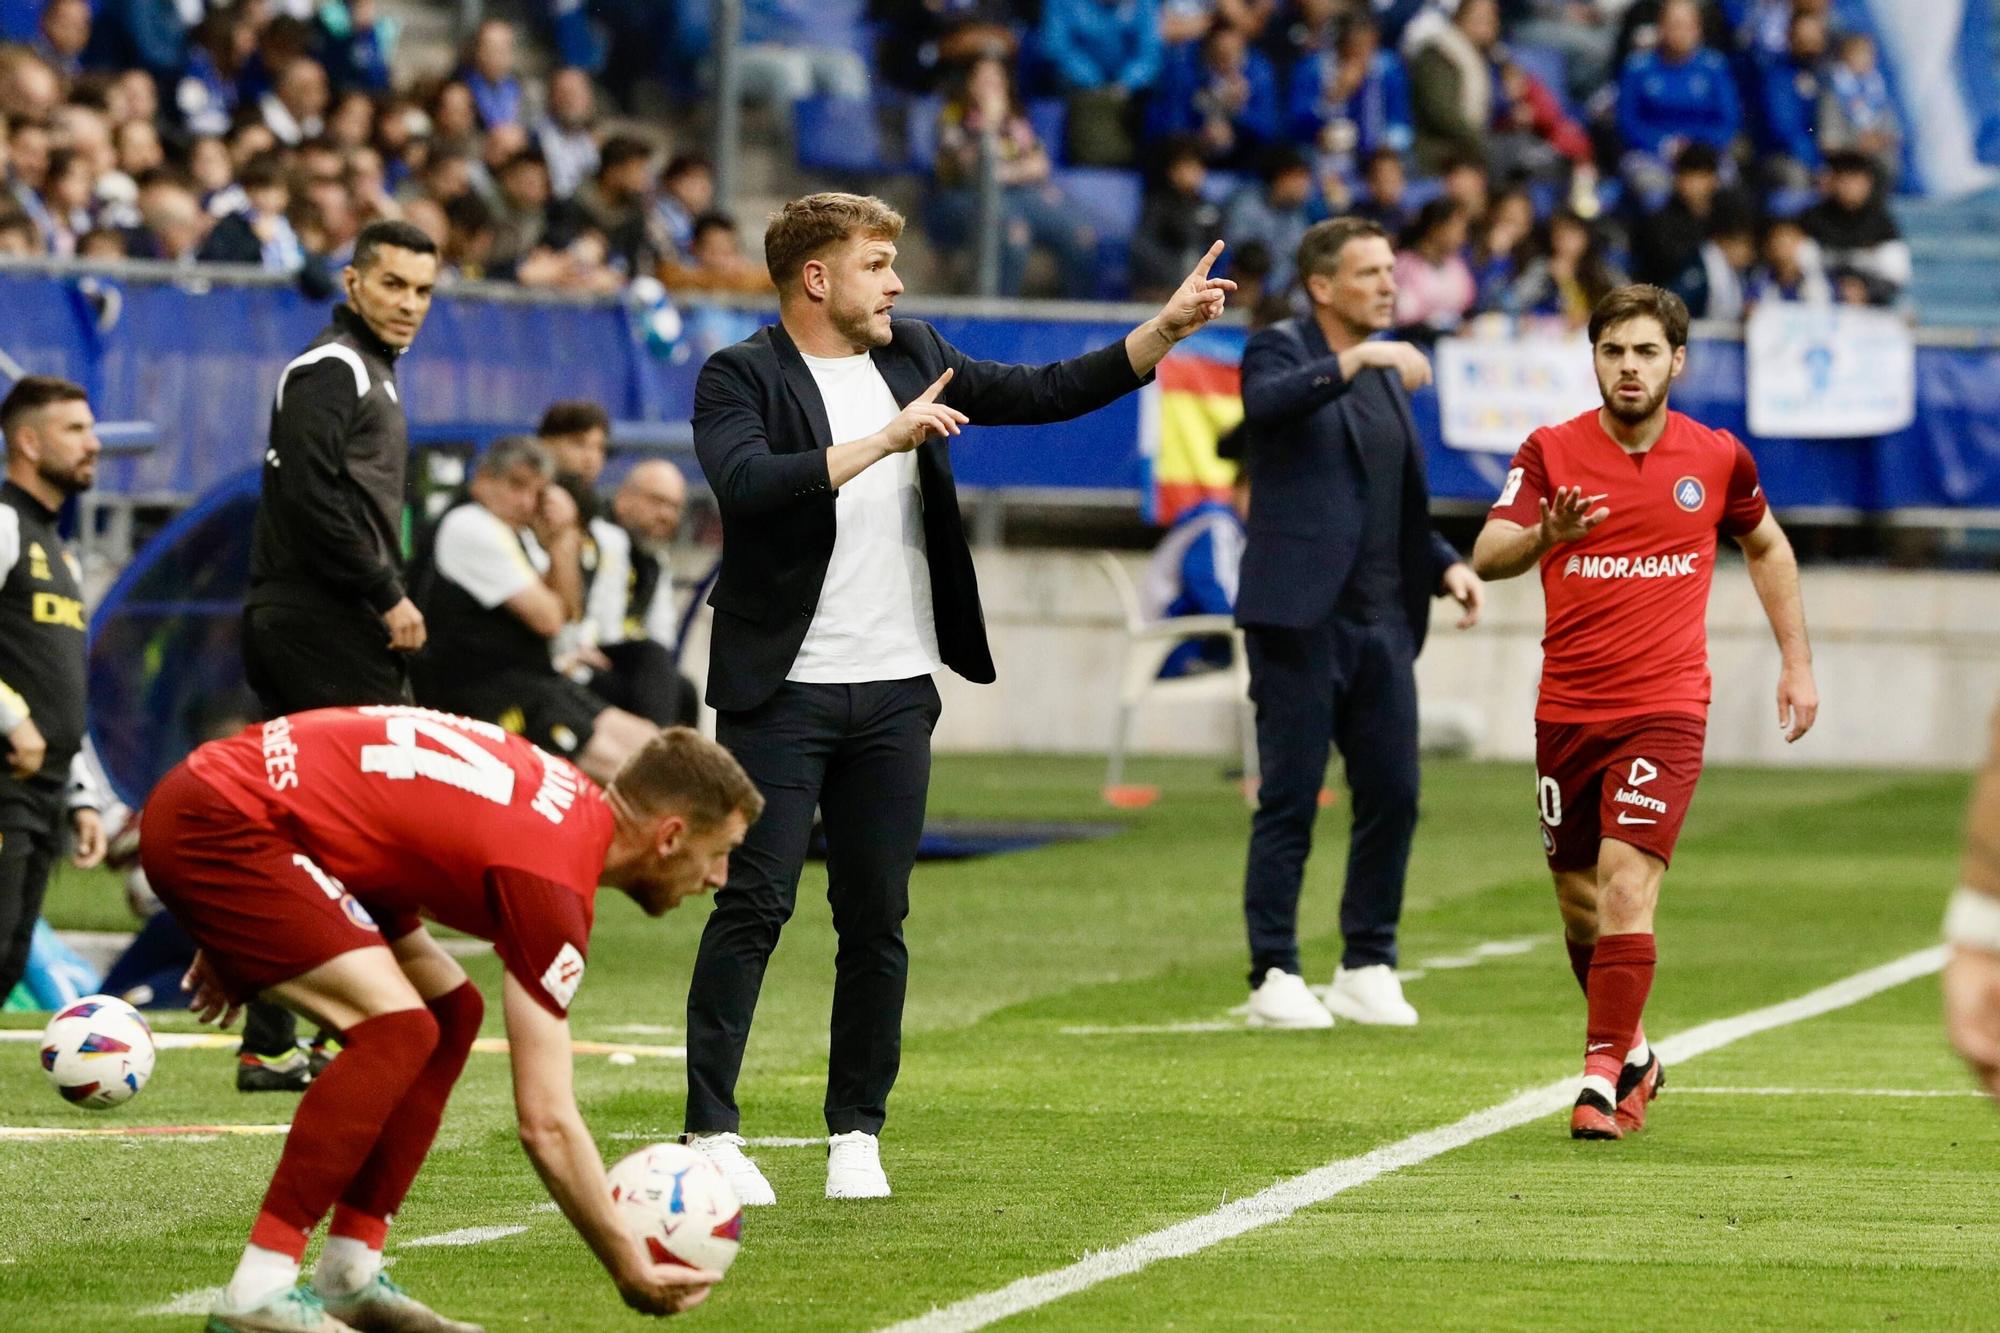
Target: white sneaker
[
  {"x": 1370, "y": 995},
  {"x": 726, "y": 1151},
  {"x": 854, "y": 1167},
  {"x": 1283, "y": 1001}
]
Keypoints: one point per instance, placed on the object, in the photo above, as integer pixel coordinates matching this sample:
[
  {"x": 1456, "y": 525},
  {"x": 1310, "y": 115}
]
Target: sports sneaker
[
  {"x": 726, "y": 1151},
  {"x": 854, "y": 1167},
  {"x": 1370, "y": 995},
  {"x": 320, "y": 1054},
  {"x": 1592, "y": 1118},
  {"x": 384, "y": 1307},
  {"x": 290, "y": 1072},
  {"x": 294, "y": 1310},
  {"x": 1282, "y": 1001},
  {"x": 1636, "y": 1087}
]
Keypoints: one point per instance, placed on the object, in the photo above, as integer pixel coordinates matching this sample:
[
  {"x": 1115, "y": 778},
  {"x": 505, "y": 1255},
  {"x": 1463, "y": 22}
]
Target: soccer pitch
[{"x": 1072, "y": 1081}]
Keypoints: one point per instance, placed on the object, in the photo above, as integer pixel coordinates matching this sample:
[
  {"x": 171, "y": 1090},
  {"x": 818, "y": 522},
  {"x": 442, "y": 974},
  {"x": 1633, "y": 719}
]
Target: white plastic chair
[{"x": 1148, "y": 645}]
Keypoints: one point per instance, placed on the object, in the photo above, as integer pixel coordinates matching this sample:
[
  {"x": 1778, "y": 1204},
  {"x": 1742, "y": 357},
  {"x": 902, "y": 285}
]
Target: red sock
[
  {"x": 377, "y": 1189},
  {"x": 1621, "y": 973},
  {"x": 1579, "y": 961},
  {"x": 338, "y": 1121}
]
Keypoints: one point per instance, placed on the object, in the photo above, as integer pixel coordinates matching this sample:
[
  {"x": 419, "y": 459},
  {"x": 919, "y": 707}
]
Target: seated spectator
[
  {"x": 1176, "y": 225},
  {"x": 1351, "y": 100},
  {"x": 350, "y": 124},
  {"x": 1858, "y": 112},
  {"x": 356, "y": 44},
  {"x": 687, "y": 190},
  {"x": 796, "y": 48},
  {"x": 1532, "y": 135},
  {"x": 1250, "y": 270},
  {"x": 1501, "y": 241},
  {"x": 101, "y": 243},
  {"x": 62, "y": 35},
  {"x": 1191, "y": 20},
  {"x": 497, "y": 581},
  {"x": 1223, "y": 92},
  {"x": 30, "y": 89},
  {"x": 454, "y": 119},
  {"x": 1790, "y": 90},
  {"x": 1570, "y": 276},
  {"x": 468, "y": 239},
  {"x": 1385, "y": 184},
  {"x": 28, "y": 149},
  {"x": 1467, "y": 181},
  {"x": 294, "y": 108},
  {"x": 138, "y": 148},
  {"x": 1792, "y": 269},
  {"x": 1193, "y": 572},
  {"x": 926, "y": 44},
  {"x": 632, "y": 621},
  {"x": 567, "y": 133},
  {"x": 1855, "y": 231},
  {"x": 1274, "y": 213},
  {"x": 1434, "y": 286},
  {"x": 521, "y": 210},
  {"x": 139, "y": 34},
  {"x": 1032, "y": 212},
  {"x": 1451, "y": 83},
  {"x": 1584, "y": 31},
  {"x": 65, "y": 200},
  {"x": 1666, "y": 243},
  {"x": 490, "y": 76},
  {"x": 205, "y": 91},
  {"x": 613, "y": 202},
  {"x": 174, "y": 222},
  {"x": 717, "y": 262},
  {"x": 18, "y": 237},
  {"x": 258, "y": 233},
  {"x": 1680, "y": 92},
  {"x": 1103, "y": 54},
  {"x": 1722, "y": 291},
  {"x": 279, "y": 42}
]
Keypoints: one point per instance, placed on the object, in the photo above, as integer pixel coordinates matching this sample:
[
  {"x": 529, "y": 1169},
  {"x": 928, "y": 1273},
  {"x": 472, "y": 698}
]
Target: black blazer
[
  {"x": 1308, "y": 487},
  {"x": 759, "y": 429}
]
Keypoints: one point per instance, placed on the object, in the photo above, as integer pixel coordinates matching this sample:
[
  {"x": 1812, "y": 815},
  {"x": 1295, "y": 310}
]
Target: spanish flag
[{"x": 1195, "y": 399}]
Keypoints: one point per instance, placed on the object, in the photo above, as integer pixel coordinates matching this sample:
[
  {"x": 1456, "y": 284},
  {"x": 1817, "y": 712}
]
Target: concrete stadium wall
[{"x": 1908, "y": 667}]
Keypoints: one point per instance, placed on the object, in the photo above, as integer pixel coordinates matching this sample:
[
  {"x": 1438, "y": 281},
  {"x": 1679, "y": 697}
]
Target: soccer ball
[
  {"x": 98, "y": 1052},
  {"x": 679, "y": 1207}
]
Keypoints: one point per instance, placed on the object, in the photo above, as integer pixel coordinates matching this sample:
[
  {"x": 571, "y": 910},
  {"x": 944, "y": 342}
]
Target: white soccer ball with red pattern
[
  {"x": 679, "y": 1207},
  {"x": 98, "y": 1052}
]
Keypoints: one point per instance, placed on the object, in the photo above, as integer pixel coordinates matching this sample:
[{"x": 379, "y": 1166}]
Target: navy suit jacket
[
  {"x": 760, "y": 429},
  {"x": 1308, "y": 490}
]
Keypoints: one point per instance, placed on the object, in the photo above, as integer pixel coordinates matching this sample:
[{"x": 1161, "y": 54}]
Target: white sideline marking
[
  {"x": 465, "y": 1236},
  {"x": 1281, "y": 1200},
  {"x": 1148, "y": 1029},
  {"x": 1718, "y": 1091},
  {"x": 181, "y": 1133},
  {"x": 199, "y": 1301},
  {"x": 209, "y": 1041}
]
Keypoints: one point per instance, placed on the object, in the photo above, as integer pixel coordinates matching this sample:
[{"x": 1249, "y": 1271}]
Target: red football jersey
[
  {"x": 418, "y": 813},
  {"x": 1627, "y": 606}
]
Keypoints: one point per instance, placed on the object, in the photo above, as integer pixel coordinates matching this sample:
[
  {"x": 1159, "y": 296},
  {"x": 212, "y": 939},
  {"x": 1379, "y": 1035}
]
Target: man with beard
[
  {"x": 1622, "y": 509},
  {"x": 52, "y": 453},
  {"x": 846, "y": 581}
]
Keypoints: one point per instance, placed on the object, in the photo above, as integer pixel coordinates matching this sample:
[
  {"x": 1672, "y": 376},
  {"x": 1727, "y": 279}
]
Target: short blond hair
[
  {"x": 810, "y": 225},
  {"x": 682, "y": 771}
]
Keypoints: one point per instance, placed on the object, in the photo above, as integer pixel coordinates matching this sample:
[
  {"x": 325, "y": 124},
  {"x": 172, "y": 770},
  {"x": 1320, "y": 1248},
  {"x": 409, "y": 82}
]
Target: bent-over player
[
  {"x": 301, "y": 853},
  {"x": 1621, "y": 509}
]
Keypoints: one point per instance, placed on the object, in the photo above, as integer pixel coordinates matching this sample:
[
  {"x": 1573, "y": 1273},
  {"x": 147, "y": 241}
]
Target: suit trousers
[
  {"x": 26, "y": 859},
  {"x": 1352, "y": 684},
  {"x": 861, "y": 754}
]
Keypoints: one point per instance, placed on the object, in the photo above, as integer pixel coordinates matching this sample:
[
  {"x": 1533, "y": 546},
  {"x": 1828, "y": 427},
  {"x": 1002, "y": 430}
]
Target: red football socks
[
  {"x": 338, "y": 1122},
  {"x": 377, "y": 1189},
  {"x": 1579, "y": 961},
  {"x": 1621, "y": 974}
]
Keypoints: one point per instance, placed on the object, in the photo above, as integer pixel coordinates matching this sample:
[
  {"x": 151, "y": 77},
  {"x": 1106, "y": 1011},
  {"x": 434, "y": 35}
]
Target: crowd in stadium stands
[{"x": 1526, "y": 154}]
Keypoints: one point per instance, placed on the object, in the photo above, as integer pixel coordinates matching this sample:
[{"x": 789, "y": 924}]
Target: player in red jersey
[
  {"x": 1622, "y": 509},
  {"x": 300, "y": 855}
]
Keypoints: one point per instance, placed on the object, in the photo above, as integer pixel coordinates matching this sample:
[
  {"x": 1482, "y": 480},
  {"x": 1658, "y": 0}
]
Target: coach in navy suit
[
  {"x": 1334, "y": 601},
  {"x": 846, "y": 582}
]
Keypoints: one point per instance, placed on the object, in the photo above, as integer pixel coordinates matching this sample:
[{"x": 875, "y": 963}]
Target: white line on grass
[
  {"x": 465, "y": 1236},
  {"x": 1287, "y": 1197},
  {"x": 1717, "y": 1091},
  {"x": 1148, "y": 1029}
]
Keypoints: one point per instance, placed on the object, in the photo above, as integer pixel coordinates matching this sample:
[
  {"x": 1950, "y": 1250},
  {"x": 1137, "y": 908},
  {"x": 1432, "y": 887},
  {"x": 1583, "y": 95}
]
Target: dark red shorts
[
  {"x": 1630, "y": 778},
  {"x": 255, "y": 902}
]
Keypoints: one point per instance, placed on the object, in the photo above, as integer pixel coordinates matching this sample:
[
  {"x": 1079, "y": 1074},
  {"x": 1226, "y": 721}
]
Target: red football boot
[
  {"x": 1636, "y": 1087},
  {"x": 1593, "y": 1118}
]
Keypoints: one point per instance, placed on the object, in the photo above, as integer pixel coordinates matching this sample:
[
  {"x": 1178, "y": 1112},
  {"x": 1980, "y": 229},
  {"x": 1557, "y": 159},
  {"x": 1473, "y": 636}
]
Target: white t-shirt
[
  {"x": 482, "y": 555},
  {"x": 874, "y": 620}
]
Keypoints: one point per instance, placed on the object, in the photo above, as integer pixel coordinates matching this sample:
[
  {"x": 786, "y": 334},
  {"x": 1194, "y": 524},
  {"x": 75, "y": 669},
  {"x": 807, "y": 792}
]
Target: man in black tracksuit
[
  {"x": 51, "y": 455},
  {"x": 328, "y": 621}
]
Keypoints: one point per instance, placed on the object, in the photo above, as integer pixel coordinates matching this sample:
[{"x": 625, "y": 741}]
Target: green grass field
[{"x": 1767, "y": 1191}]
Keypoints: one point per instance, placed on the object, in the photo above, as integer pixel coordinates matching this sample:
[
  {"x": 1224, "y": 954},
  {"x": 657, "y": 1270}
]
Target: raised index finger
[
  {"x": 1208, "y": 260},
  {"x": 937, "y": 387}
]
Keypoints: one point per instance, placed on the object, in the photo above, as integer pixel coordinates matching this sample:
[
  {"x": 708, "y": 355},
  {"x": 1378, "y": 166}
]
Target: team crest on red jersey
[{"x": 1690, "y": 494}]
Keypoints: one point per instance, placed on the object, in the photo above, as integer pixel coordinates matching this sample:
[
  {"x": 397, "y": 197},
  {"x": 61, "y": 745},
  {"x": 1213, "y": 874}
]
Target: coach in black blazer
[
  {"x": 1334, "y": 599},
  {"x": 846, "y": 581}
]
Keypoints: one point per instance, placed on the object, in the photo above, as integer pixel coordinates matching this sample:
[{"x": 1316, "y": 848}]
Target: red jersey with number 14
[
  {"x": 1627, "y": 606},
  {"x": 418, "y": 813}
]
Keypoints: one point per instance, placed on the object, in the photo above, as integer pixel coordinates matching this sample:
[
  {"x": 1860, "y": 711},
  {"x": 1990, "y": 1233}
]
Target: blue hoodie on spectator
[
  {"x": 1694, "y": 100},
  {"x": 1179, "y": 102},
  {"x": 1379, "y": 109},
  {"x": 1789, "y": 94},
  {"x": 1095, "y": 44}
]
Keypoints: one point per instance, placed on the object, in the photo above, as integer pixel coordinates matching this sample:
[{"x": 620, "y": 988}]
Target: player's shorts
[
  {"x": 1630, "y": 778},
  {"x": 262, "y": 911},
  {"x": 549, "y": 709}
]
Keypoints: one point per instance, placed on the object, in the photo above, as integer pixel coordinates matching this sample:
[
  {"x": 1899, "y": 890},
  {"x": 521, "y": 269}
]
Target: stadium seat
[
  {"x": 1050, "y": 117},
  {"x": 839, "y": 135},
  {"x": 1545, "y": 63},
  {"x": 920, "y": 133},
  {"x": 1107, "y": 198}
]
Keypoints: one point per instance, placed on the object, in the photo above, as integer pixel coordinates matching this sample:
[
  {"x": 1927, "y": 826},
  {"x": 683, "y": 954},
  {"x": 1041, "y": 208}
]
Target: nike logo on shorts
[{"x": 1624, "y": 818}]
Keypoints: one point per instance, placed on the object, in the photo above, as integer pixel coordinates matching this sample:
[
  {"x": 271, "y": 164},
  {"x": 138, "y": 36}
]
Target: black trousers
[
  {"x": 297, "y": 660},
  {"x": 1342, "y": 683},
  {"x": 644, "y": 680},
  {"x": 25, "y": 863},
  {"x": 862, "y": 755}
]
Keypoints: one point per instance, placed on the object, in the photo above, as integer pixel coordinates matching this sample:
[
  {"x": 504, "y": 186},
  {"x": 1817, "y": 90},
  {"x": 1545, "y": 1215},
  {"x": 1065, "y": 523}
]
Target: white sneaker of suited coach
[
  {"x": 854, "y": 1167},
  {"x": 1370, "y": 995},
  {"x": 1284, "y": 1001},
  {"x": 726, "y": 1151}
]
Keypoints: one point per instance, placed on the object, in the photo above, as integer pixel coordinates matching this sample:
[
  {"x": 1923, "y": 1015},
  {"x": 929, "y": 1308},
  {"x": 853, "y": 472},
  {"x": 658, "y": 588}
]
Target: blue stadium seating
[
  {"x": 840, "y": 135},
  {"x": 1108, "y": 199}
]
